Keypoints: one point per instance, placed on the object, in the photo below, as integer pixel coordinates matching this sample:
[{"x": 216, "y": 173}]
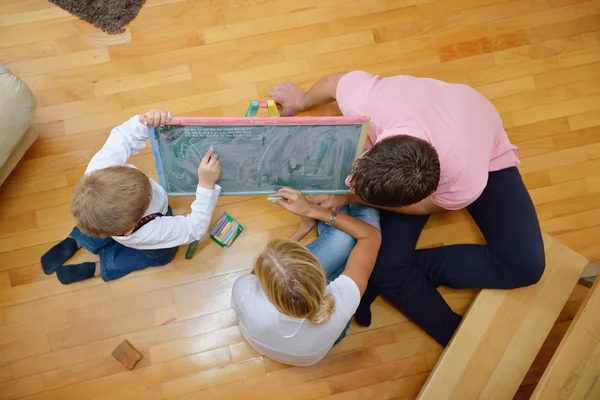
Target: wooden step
[
  {"x": 574, "y": 368},
  {"x": 502, "y": 332}
]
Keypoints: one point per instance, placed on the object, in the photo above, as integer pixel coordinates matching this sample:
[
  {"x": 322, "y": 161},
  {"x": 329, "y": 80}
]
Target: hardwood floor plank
[
  {"x": 411, "y": 385},
  {"x": 47, "y": 302},
  {"x": 217, "y": 324},
  {"x": 93, "y": 389},
  {"x": 555, "y": 47},
  {"x": 538, "y": 129},
  {"x": 27, "y": 274},
  {"x": 567, "y": 190},
  {"x": 21, "y": 387},
  {"x": 584, "y": 120},
  {"x": 196, "y": 344},
  {"x": 106, "y": 329},
  {"x": 507, "y": 88},
  {"x": 55, "y": 63},
  {"x": 522, "y": 101},
  {"x": 152, "y": 78},
  {"x": 23, "y": 330},
  {"x": 382, "y": 391},
  {"x": 503, "y": 9},
  {"x": 568, "y": 75},
  {"x": 213, "y": 377},
  {"x": 194, "y": 308},
  {"x": 516, "y": 70},
  {"x": 483, "y": 45},
  {"x": 83, "y": 316},
  {"x": 328, "y": 45},
  {"x": 16, "y": 6},
  {"x": 181, "y": 367},
  {"x": 37, "y": 32},
  {"x": 558, "y": 109},
  {"x": 21, "y": 349}
]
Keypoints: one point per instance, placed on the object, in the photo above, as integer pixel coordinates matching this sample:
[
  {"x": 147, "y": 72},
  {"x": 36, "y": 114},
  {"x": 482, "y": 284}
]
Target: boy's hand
[
  {"x": 289, "y": 97},
  {"x": 156, "y": 118},
  {"x": 209, "y": 170}
]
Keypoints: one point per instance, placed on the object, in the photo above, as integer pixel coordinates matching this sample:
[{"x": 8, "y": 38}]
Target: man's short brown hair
[
  {"x": 110, "y": 201},
  {"x": 398, "y": 171}
]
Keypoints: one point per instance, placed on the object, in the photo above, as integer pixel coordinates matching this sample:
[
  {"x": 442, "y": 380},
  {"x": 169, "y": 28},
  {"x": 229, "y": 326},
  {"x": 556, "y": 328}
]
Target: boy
[
  {"x": 434, "y": 146},
  {"x": 124, "y": 216}
]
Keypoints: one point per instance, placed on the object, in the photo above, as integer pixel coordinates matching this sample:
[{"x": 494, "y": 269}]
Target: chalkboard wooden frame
[{"x": 256, "y": 121}]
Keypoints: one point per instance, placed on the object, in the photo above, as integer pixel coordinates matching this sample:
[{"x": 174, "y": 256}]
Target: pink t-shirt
[{"x": 461, "y": 124}]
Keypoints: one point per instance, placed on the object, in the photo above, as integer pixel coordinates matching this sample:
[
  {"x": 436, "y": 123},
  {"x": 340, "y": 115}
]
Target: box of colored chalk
[{"x": 225, "y": 230}]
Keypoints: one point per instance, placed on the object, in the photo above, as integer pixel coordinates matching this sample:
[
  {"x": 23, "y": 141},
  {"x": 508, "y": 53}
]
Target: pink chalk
[
  {"x": 166, "y": 321},
  {"x": 213, "y": 121},
  {"x": 262, "y": 104}
]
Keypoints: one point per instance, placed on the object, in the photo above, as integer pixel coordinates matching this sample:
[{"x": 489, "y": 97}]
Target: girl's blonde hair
[{"x": 294, "y": 281}]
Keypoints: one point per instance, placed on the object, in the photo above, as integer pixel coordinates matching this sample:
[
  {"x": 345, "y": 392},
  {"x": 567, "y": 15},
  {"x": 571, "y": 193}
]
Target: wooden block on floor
[
  {"x": 573, "y": 370},
  {"x": 127, "y": 355},
  {"x": 502, "y": 332}
]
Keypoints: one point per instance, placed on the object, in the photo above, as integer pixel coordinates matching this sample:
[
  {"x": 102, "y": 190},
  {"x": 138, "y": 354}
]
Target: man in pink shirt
[{"x": 432, "y": 146}]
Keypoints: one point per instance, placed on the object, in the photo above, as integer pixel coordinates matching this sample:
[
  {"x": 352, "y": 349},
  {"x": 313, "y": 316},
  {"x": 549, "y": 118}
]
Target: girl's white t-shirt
[{"x": 289, "y": 340}]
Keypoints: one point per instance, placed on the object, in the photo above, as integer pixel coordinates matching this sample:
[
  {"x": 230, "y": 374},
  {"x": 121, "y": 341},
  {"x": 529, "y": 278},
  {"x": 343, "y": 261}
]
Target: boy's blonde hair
[
  {"x": 294, "y": 281},
  {"x": 111, "y": 201}
]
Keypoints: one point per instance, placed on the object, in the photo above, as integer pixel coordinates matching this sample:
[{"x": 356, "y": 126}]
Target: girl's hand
[
  {"x": 294, "y": 201},
  {"x": 156, "y": 118},
  {"x": 307, "y": 223}
]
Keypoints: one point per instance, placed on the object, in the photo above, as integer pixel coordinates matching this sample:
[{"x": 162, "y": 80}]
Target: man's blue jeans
[{"x": 333, "y": 246}]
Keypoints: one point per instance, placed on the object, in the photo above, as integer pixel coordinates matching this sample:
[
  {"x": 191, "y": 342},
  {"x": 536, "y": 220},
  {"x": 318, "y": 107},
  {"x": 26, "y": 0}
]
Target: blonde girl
[{"x": 298, "y": 302}]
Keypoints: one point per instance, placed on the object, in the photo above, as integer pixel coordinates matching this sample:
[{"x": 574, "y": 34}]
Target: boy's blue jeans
[
  {"x": 117, "y": 260},
  {"x": 333, "y": 246}
]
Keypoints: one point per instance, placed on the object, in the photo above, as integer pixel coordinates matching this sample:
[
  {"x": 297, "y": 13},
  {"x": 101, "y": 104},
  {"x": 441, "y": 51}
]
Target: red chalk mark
[
  {"x": 166, "y": 321},
  {"x": 168, "y": 133}
]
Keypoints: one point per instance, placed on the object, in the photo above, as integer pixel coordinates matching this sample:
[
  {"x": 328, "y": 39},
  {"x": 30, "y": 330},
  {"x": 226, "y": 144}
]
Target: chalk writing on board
[{"x": 260, "y": 158}]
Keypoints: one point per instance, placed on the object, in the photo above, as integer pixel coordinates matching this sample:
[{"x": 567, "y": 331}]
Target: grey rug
[{"x": 108, "y": 15}]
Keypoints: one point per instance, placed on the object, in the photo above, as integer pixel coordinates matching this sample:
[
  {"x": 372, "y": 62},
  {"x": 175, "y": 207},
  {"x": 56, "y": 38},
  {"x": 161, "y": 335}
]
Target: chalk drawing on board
[{"x": 259, "y": 159}]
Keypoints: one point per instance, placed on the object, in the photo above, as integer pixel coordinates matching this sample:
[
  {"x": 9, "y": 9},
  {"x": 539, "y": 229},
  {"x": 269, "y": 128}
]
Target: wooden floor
[{"x": 537, "y": 60}]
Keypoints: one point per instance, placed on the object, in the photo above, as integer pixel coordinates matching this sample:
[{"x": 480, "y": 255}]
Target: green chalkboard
[{"x": 262, "y": 155}]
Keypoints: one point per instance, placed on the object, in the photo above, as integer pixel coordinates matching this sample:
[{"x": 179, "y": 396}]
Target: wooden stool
[
  {"x": 574, "y": 368},
  {"x": 502, "y": 332}
]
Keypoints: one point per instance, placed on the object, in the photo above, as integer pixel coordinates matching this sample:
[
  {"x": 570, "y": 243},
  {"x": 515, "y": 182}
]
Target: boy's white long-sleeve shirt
[{"x": 127, "y": 140}]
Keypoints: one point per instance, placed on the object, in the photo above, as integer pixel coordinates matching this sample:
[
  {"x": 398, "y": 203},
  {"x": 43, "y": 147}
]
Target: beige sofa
[{"x": 17, "y": 106}]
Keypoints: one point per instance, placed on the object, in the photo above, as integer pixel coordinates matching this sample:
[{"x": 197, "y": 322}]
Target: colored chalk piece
[
  {"x": 273, "y": 111},
  {"x": 224, "y": 231},
  {"x": 191, "y": 249},
  {"x": 127, "y": 355},
  {"x": 228, "y": 237},
  {"x": 262, "y": 104},
  {"x": 252, "y": 108},
  {"x": 218, "y": 226},
  {"x": 274, "y": 198}
]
